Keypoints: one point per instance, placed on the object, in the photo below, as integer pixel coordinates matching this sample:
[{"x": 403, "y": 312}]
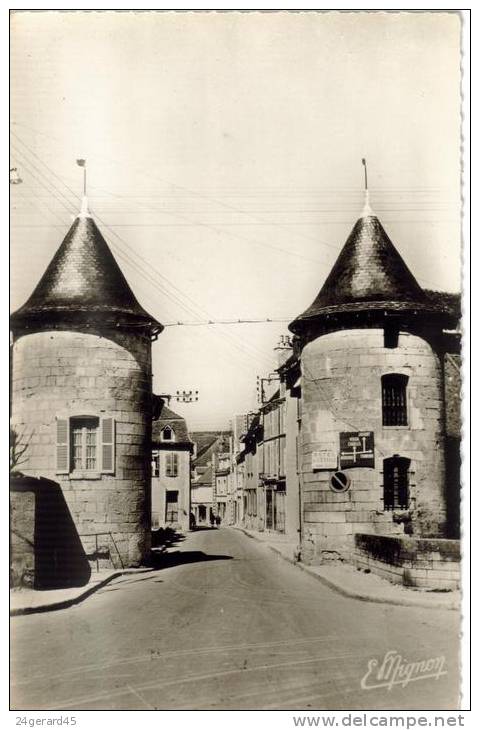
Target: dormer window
[{"x": 168, "y": 434}]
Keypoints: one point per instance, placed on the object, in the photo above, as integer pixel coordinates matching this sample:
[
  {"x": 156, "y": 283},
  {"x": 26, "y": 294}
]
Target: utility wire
[
  {"x": 176, "y": 299},
  {"x": 219, "y": 229},
  {"x": 240, "y": 347},
  {"x": 228, "y": 321}
]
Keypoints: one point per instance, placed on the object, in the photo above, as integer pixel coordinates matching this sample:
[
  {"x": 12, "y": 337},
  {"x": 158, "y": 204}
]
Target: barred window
[
  {"x": 394, "y": 399},
  {"x": 396, "y": 483}
]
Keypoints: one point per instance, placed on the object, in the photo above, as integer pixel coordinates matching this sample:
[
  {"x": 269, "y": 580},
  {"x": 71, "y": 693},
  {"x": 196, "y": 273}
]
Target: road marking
[
  {"x": 137, "y": 694},
  {"x": 274, "y": 690},
  {"x": 300, "y": 701},
  {"x": 198, "y": 678},
  {"x": 180, "y": 653}
]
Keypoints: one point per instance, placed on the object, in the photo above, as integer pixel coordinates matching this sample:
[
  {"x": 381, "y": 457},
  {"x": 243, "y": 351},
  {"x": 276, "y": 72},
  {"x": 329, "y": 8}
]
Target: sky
[{"x": 224, "y": 166}]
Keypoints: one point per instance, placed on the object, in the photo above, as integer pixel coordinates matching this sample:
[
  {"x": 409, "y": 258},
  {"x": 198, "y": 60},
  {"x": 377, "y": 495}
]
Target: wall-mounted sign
[
  {"x": 357, "y": 449},
  {"x": 324, "y": 459}
]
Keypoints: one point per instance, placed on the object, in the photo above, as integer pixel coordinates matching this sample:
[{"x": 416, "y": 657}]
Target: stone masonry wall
[
  {"x": 22, "y": 539},
  {"x": 96, "y": 373},
  {"x": 420, "y": 563},
  {"x": 341, "y": 391}
]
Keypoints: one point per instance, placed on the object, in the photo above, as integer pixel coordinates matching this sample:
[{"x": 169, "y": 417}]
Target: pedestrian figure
[
  {"x": 212, "y": 519},
  {"x": 217, "y": 520}
]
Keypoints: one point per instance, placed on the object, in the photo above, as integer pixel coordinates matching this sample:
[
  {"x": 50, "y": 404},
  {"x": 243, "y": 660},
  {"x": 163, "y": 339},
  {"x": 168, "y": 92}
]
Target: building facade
[
  {"x": 82, "y": 392},
  {"x": 371, "y": 351},
  {"x": 202, "y": 497},
  {"x": 208, "y": 477},
  {"x": 171, "y": 470}
]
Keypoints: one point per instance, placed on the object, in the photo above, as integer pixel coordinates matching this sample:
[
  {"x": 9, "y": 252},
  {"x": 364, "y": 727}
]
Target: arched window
[
  {"x": 394, "y": 399},
  {"x": 396, "y": 493},
  {"x": 168, "y": 434}
]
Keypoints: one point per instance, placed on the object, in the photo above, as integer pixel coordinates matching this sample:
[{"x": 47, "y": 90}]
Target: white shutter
[
  {"x": 62, "y": 465},
  {"x": 107, "y": 434}
]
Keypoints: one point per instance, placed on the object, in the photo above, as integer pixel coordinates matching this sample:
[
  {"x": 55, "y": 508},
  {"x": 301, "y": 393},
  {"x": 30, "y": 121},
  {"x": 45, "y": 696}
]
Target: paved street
[{"x": 226, "y": 625}]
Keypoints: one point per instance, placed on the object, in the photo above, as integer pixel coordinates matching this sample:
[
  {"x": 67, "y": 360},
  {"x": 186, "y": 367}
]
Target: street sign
[
  {"x": 357, "y": 449},
  {"x": 339, "y": 482},
  {"x": 325, "y": 458}
]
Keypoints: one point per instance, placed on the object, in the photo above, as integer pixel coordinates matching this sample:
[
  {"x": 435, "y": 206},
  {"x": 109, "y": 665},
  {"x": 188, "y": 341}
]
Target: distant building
[
  {"x": 208, "y": 444},
  {"x": 252, "y": 460},
  {"x": 171, "y": 470},
  {"x": 82, "y": 394},
  {"x": 222, "y": 475},
  {"x": 269, "y": 467},
  {"x": 202, "y": 496}
]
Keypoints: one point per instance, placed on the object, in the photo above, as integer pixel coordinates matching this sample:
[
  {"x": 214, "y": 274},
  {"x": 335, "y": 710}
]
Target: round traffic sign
[{"x": 339, "y": 482}]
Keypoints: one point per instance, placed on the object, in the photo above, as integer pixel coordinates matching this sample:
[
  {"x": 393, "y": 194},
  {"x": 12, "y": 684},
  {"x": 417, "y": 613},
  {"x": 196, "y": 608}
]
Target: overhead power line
[
  {"x": 151, "y": 274},
  {"x": 228, "y": 321}
]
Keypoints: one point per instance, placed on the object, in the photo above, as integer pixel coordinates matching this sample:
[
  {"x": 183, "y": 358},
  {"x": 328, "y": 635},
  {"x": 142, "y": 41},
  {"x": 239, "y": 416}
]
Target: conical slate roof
[
  {"x": 83, "y": 283},
  {"x": 369, "y": 274}
]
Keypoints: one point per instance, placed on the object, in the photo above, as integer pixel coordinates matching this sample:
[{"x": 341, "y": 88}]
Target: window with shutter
[
  {"x": 85, "y": 445},
  {"x": 108, "y": 445},
  {"x": 171, "y": 465},
  {"x": 62, "y": 447}
]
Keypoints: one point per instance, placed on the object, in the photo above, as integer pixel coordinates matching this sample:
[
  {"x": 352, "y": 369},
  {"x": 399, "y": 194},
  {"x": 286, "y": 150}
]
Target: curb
[
  {"x": 401, "y": 601},
  {"x": 57, "y": 605}
]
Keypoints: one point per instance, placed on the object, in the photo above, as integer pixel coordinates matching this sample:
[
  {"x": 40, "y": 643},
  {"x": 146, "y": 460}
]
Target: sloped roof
[
  {"x": 205, "y": 478},
  {"x": 203, "y": 440},
  {"x": 447, "y": 300},
  {"x": 216, "y": 444},
  {"x": 178, "y": 424},
  {"x": 83, "y": 282},
  {"x": 368, "y": 274}
]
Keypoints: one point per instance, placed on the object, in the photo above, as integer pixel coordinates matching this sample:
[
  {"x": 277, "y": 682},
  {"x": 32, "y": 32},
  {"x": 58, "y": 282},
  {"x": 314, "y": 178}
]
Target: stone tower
[
  {"x": 371, "y": 353},
  {"x": 82, "y": 392}
]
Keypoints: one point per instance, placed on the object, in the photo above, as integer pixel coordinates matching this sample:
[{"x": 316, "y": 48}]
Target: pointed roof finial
[
  {"x": 366, "y": 207},
  {"x": 84, "y": 211}
]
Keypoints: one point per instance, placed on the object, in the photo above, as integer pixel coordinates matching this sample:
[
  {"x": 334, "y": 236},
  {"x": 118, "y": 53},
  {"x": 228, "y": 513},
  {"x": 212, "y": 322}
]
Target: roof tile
[{"x": 83, "y": 282}]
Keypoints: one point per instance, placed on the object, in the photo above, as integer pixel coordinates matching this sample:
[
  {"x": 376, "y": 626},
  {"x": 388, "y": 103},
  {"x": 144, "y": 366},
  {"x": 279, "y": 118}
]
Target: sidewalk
[
  {"x": 352, "y": 583},
  {"x": 26, "y": 600}
]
